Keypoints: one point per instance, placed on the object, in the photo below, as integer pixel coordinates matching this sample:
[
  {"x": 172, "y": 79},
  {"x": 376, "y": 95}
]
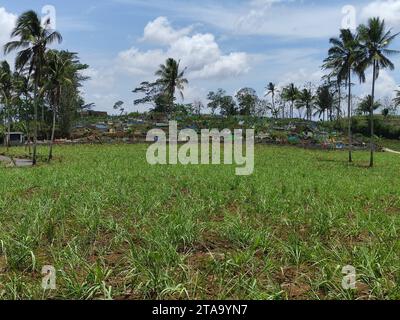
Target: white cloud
[
  {"x": 302, "y": 76},
  {"x": 100, "y": 78},
  {"x": 384, "y": 87},
  {"x": 281, "y": 18},
  {"x": 160, "y": 31},
  {"x": 139, "y": 63},
  {"x": 7, "y": 23},
  {"x": 194, "y": 93},
  {"x": 196, "y": 51},
  {"x": 199, "y": 52},
  {"x": 388, "y": 10},
  {"x": 296, "y": 22},
  {"x": 231, "y": 65}
]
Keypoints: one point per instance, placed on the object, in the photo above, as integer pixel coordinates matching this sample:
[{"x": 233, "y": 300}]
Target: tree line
[{"x": 44, "y": 88}]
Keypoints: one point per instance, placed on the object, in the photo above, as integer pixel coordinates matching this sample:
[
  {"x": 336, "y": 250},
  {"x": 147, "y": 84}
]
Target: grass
[{"x": 117, "y": 228}]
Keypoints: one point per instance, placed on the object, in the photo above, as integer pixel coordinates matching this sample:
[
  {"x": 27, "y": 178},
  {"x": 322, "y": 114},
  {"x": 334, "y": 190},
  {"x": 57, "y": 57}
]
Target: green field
[{"x": 115, "y": 227}]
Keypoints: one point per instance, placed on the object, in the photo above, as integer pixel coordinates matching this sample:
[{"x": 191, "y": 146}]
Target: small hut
[{"x": 15, "y": 138}]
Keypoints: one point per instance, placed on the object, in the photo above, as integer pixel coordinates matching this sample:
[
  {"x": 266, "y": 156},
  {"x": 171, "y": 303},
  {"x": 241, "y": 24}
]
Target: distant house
[{"x": 15, "y": 138}]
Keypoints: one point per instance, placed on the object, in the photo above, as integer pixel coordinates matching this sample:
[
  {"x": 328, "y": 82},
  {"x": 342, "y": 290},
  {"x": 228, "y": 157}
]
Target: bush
[{"x": 360, "y": 125}]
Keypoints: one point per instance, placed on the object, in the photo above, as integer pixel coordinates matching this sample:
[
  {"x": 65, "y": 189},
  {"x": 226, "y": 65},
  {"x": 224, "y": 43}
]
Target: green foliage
[
  {"x": 324, "y": 101},
  {"x": 384, "y": 128},
  {"x": 45, "y": 82},
  {"x": 306, "y": 101},
  {"x": 364, "y": 106},
  {"x": 161, "y": 93},
  {"x": 247, "y": 101},
  {"x": 222, "y": 102}
]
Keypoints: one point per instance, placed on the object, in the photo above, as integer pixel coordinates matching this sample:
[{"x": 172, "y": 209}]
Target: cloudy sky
[{"x": 225, "y": 44}]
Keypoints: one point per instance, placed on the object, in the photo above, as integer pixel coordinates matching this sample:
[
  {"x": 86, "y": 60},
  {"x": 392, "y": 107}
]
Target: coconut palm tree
[
  {"x": 375, "y": 40},
  {"x": 171, "y": 78},
  {"x": 271, "y": 90},
  {"x": 33, "y": 40},
  {"x": 57, "y": 73},
  {"x": 335, "y": 83},
  {"x": 305, "y": 101},
  {"x": 344, "y": 58},
  {"x": 290, "y": 94},
  {"x": 324, "y": 101},
  {"x": 365, "y": 105}
]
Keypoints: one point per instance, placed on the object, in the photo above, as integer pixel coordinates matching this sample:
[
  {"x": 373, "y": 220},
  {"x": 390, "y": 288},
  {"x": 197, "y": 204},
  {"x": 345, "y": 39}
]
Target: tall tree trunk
[
  {"x": 9, "y": 130},
  {"x": 5, "y": 137},
  {"x": 273, "y": 105},
  {"x": 371, "y": 115},
  {"x": 7, "y": 118},
  {"x": 350, "y": 120},
  {"x": 292, "y": 110},
  {"x": 35, "y": 121},
  {"x": 53, "y": 129},
  {"x": 28, "y": 129},
  {"x": 340, "y": 102}
]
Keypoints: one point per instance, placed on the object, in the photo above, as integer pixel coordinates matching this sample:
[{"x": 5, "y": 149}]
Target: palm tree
[
  {"x": 365, "y": 105},
  {"x": 57, "y": 73},
  {"x": 32, "y": 40},
  {"x": 320, "y": 111},
  {"x": 324, "y": 101},
  {"x": 375, "y": 40},
  {"x": 290, "y": 94},
  {"x": 171, "y": 79},
  {"x": 271, "y": 90},
  {"x": 344, "y": 58},
  {"x": 305, "y": 100},
  {"x": 6, "y": 96},
  {"x": 336, "y": 85}
]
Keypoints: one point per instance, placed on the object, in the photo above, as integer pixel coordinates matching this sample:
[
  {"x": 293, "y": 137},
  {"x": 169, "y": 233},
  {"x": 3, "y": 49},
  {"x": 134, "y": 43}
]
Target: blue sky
[{"x": 226, "y": 44}]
